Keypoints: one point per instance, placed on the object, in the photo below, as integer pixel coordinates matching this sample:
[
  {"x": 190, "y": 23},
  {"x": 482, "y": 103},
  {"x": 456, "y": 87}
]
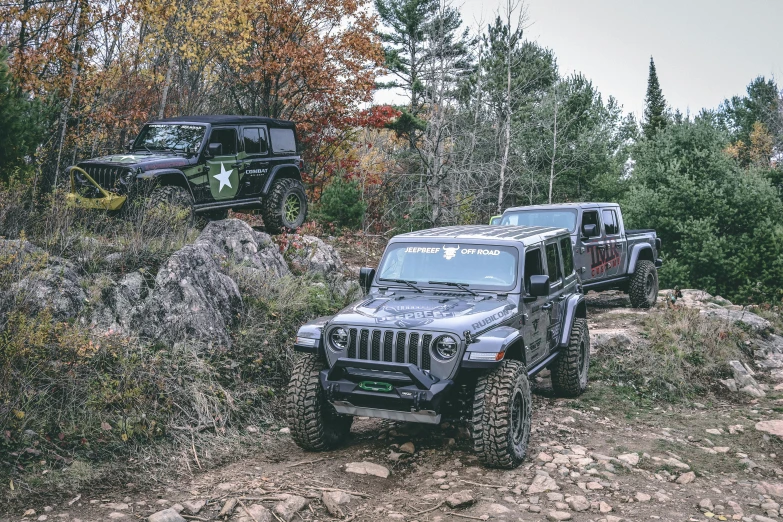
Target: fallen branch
[
  {"x": 463, "y": 516},
  {"x": 190, "y": 517},
  {"x": 301, "y": 463},
  {"x": 356, "y": 493},
  {"x": 248, "y": 513},
  {"x": 426, "y": 510},
  {"x": 481, "y": 485}
]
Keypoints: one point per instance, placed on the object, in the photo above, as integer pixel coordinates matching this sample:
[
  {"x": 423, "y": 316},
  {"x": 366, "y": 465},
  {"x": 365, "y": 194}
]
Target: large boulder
[
  {"x": 119, "y": 304},
  {"x": 235, "y": 244},
  {"x": 38, "y": 281},
  {"x": 750, "y": 320},
  {"x": 192, "y": 299},
  {"x": 310, "y": 255}
]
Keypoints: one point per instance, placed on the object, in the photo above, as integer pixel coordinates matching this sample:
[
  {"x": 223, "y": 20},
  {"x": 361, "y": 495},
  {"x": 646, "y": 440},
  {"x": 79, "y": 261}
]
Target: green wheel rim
[{"x": 292, "y": 208}]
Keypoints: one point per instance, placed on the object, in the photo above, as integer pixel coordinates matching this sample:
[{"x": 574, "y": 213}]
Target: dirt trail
[{"x": 598, "y": 457}]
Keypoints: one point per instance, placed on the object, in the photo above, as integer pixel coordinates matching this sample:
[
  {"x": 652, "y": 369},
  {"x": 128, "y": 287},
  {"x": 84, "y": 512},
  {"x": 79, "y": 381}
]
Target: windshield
[
  {"x": 541, "y": 218},
  {"x": 178, "y": 138},
  {"x": 486, "y": 267}
]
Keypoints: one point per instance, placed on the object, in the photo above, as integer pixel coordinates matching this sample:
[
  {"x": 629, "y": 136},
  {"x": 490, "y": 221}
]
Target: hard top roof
[
  {"x": 217, "y": 119},
  {"x": 555, "y": 206},
  {"x": 509, "y": 233}
]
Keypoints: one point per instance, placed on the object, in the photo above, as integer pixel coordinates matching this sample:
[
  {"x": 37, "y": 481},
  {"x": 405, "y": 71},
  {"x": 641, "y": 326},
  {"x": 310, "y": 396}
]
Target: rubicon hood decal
[{"x": 450, "y": 313}]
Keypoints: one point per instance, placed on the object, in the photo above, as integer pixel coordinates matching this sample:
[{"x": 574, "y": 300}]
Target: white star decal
[
  {"x": 127, "y": 157},
  {"x": 223, "y": 177}
]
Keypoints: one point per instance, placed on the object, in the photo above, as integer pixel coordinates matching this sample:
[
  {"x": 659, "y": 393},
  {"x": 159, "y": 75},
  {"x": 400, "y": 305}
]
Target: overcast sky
[{"x": 704, "y": 50}]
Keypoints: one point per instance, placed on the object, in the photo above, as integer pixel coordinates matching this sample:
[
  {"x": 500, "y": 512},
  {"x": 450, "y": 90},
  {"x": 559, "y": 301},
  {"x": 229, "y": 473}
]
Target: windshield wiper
[
  {"x": 461, "y": 286},
  {"x": 409, "y": 283}
]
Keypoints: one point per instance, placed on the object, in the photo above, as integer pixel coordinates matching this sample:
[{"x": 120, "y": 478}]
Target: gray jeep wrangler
[{"x": 455, "y": 322}]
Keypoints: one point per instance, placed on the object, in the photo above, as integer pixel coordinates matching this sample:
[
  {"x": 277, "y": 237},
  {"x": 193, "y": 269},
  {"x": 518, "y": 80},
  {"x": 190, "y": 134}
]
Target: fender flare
[
  {"x": 576, "y": 308},
  {"x": 159, "y": 173},
  {"x": 635, "y": 252},
  {"x": 493, "y": 342},
  {"x": 274, "y": 174},
  {"x": 312, "y": 330}
]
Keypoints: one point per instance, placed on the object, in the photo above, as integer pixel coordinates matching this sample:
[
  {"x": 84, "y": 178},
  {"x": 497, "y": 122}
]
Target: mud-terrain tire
[
  {"x": 502, "y": 411},
  {"x": 314, "y": 423},
  {"x": 643, "y": 288},
  {"x": 285, "y": 207},
  {"x": 570, "y": 369},
  {"x": 174, "y": 196}
]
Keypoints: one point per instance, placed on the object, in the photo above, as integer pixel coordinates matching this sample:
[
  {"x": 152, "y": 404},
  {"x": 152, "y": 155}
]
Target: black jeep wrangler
[
  {"x": 453, "y": 316},
  {"x": 207, "y": 163}
]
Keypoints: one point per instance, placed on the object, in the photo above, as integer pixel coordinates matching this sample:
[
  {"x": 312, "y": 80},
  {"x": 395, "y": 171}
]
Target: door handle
[
  {"x": 561, "y": 297},
  {"x": 547, "y": 306}
]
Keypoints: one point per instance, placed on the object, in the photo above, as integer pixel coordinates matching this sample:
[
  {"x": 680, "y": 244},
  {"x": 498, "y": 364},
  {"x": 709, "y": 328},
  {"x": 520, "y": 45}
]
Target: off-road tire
[
  {"x": 500, "y": 438},
  {"x": 174, "y": 196},
  {"x": 570, "y": 369},
  {"x": 643, "y": 288},
  {"x": 314, "y": 423},
  {"x": 276, "y": 219}
]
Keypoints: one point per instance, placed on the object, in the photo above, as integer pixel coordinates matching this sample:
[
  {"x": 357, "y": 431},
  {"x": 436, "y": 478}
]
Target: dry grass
[{"x": 682, "y": 356}]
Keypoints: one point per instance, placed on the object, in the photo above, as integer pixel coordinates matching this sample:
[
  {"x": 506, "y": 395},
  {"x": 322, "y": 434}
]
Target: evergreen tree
[
  {"x": 421, "y": 33},
  {"x": 654, "y": 105}
]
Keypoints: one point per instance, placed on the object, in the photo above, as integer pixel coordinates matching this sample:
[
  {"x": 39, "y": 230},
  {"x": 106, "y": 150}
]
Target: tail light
[{"x": 301, "y": 164}]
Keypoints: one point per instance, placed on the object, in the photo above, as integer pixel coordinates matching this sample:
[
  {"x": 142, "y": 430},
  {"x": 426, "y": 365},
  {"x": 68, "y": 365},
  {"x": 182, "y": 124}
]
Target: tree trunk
[
  {"x": 166, "y": 85},
  {"x": 554, "y": 154}
]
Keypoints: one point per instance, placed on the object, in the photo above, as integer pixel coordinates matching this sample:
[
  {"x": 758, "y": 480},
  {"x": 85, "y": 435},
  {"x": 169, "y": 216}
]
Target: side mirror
[
  {"x": 214, "y": 149},
  {"x": 129, "y": 146},
  {"x": 589, "y": 230},
  {"x": 366, "y": 275},
  {"x": 539, "y": 286}
]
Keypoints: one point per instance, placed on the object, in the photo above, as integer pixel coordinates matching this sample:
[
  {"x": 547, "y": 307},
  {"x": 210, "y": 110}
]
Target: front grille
[
  {"x": 390, "y": 346},
  {"x": 106, "y": 177}
]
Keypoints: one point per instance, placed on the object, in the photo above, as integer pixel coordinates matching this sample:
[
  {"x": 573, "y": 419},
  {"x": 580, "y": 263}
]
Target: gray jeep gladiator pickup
[
  {"x": 605, "y": 253},
  {"x": 454, "y": 323}
]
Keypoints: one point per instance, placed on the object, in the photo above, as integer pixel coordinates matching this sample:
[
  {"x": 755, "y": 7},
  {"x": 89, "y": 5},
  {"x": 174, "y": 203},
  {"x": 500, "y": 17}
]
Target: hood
[
  {"x": 144, "y": 160},
  {"x": 427, "y": 311}
]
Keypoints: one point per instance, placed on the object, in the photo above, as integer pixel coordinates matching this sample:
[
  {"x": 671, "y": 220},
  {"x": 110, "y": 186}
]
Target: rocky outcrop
[
  {"x": 721, "y": 309},
  {"x": 43, "y": 282},
  {"x": 195, "y": 294},
  {"x": 192, "y": 299}
]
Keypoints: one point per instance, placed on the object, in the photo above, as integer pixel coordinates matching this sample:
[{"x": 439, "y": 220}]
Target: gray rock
[
  {"x": 558, "y": 515},
  {"x": 253, "y": 513},
  {"x": 167, "y": 515},
  {"x": 192, "y": 507},
  {"x": 288, "y": 508},
  {"x": 749, "y": 319},
  {"x": 753, "y": 391},
  {"x": 119, "y": 303},
  {"x": 579, "y": 503},
  {"x": 686, "y": 478},
  {"x": 44, "y": 282},
  {"x": 498, "y": 510},
  {"x": 741, "y": 375},
  {"x": 705, "y": 504},
  {"x": 333, "y": 500},
  {"x": 251, "y": 254},
  {"x": 367, "y": 468},
  {"x": 541, "y": 483},
  {"x": 192, "y": 299},
  {"x": 460, "y": 499},
  {"x": 730, "y": 384},
  {"x": 630, "y": 458}
]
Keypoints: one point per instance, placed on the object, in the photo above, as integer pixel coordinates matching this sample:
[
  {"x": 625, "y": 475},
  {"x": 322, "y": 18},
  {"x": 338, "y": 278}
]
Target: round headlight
[
  {"x": 339, "y": 338},
  {"x": 446, "y": 347}
]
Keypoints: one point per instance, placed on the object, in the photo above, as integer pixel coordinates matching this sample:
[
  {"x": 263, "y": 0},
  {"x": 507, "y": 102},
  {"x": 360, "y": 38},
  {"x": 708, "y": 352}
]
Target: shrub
[{"x": 341, "y": 204}]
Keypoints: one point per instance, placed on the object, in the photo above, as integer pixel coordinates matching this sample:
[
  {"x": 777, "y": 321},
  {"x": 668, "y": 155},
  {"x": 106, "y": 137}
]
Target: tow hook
[
  {"x": 417, "y": 398},
  {"x": 331, "y": 391}
]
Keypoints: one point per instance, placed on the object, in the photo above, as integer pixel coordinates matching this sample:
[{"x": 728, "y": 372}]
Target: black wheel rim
[
  {"x": 583, "y": 360},
  {"x": 518, "y": 418},
  {"x": 650, "y": 285}
]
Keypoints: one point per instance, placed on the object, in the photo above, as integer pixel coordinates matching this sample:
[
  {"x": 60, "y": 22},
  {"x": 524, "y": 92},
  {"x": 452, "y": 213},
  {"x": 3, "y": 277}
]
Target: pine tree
[{"x": 654, "y": 105}]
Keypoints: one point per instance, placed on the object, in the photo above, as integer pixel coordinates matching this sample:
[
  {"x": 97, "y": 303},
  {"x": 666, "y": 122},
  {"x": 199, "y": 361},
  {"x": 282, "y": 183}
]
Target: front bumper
[
  {"x": 107, "y": 201},
  {"x": 396, "y": 391}
]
